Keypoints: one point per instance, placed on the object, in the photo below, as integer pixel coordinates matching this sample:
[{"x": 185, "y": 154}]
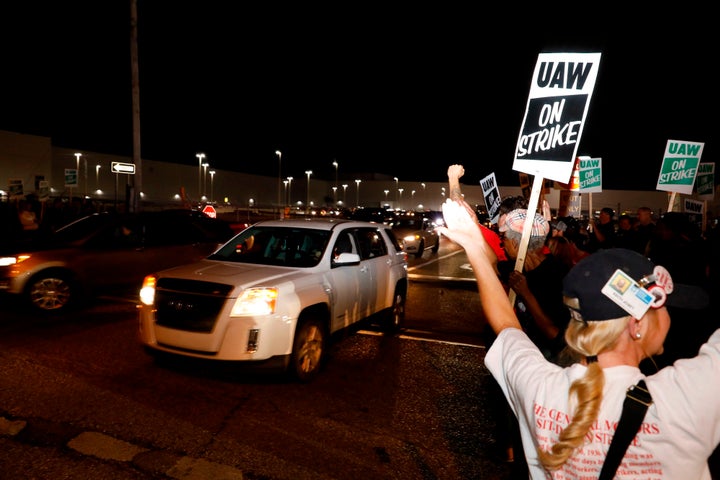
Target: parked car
[
  {"x": 102, "y": 252},
  {"x": 373, "y": 214},
  {"x": 416, "y": 234},
  {"x": 275, "y": 293}
]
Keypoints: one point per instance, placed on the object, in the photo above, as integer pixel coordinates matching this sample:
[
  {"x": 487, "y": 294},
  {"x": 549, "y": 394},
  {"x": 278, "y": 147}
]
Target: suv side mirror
[{"x": 346, "y": 259}]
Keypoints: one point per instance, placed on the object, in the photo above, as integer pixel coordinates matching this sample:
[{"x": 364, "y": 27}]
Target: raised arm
[
  {"x": 454, "y": 173},
  {"x": 455, "y": 192},
  {"x": 462, "y": 229}
]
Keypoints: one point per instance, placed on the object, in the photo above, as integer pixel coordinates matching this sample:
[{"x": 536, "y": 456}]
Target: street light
[
  {"x": 77, "y": 174},
  {"x": 344, "y": 193},
  {"x": 397, "y": 201},
  {"x": 307, "y": 203},
  {"x": 200, "y": 157},
  {"x": 335, "y": 194},
  {"x": 212, "y": 177},
  {"x": 386, "y": 192},
  {"x": 335, "y": 164},
  {"x": 400, "y": 190},
  {"x": 279, "y": 154},
  {"x": 204, "y": 188},
  {"x": 289, "y": 179},
  {"x": 357, "y": 193},
  {"x": 424, "y": 199},
  {"x": 97, "y": 177}
]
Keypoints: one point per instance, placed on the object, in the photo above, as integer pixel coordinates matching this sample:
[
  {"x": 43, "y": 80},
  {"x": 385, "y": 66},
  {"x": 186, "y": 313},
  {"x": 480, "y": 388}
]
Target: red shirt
[{"x": 493, "y": 239}]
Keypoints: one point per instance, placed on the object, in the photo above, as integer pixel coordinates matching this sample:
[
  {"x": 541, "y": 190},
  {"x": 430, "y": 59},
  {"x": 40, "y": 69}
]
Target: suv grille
[{"x": 189, "y": 305}]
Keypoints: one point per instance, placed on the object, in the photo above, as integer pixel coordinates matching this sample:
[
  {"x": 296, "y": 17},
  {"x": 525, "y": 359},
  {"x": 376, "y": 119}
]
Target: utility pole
[{"x": 133, "y": 203}]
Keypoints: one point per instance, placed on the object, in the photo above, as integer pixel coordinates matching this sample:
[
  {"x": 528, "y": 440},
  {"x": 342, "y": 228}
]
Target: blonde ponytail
[{"x": 586, "y": 339}]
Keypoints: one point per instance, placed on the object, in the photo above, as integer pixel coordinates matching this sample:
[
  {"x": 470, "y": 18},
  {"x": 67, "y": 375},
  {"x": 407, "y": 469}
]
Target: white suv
[{"x": 275, "y": 293}]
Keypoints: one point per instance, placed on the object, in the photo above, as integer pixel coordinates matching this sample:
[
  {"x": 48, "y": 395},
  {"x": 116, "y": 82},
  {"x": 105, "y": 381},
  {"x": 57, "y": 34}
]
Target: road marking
[{"x": 420, "y": 339}]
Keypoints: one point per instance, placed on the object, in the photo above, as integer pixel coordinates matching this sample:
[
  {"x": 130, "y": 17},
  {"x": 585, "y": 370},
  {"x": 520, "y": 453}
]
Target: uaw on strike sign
[{"x": 560, "y": 92}]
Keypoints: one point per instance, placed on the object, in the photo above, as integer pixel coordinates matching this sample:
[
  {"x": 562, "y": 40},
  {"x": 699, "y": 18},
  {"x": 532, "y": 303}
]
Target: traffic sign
[
  {"x": 210, "y": 211},
  {"x": 126, "y": 168}
]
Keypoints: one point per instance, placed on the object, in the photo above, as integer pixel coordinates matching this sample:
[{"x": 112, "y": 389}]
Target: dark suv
[{"x": 104, "y": 251}]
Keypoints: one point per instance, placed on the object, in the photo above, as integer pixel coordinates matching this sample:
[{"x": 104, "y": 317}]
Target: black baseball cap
[{"x": 583, "y": 285}]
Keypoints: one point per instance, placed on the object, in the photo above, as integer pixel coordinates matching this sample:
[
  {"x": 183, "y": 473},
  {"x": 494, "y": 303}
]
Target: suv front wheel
[{"x": 308, "y": 351}]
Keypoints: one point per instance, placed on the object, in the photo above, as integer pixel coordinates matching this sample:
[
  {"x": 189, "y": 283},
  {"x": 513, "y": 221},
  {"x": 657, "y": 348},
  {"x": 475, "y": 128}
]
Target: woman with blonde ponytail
[{"x": 617, "y": 301}]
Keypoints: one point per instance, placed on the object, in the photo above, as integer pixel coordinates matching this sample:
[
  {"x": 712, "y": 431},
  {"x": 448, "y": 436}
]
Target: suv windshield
[{"x": 284, "y": 246}]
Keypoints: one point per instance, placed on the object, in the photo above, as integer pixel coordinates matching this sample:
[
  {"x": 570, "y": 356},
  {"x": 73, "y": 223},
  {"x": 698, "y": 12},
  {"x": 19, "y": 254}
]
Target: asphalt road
[{"x": 80, "y": 399}]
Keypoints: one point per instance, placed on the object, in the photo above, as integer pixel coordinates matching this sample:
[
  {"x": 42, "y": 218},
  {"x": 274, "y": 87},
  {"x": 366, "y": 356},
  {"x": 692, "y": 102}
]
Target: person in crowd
[
  {"x": 602, "y": 231},
  {"x": 625, "y": 233},
  {"x": 644, "y": 226},
  {"x": 539, "y": 286},
  {"x": 565, "y": 250},
  {"x": 618, "y": 303},
  {"x": 28, "y": 217},
  {"x": 677, "y": 244}
]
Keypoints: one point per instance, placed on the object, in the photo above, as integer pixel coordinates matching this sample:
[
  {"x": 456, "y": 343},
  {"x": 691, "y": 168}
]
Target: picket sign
[{"x": 527, "y": 228}]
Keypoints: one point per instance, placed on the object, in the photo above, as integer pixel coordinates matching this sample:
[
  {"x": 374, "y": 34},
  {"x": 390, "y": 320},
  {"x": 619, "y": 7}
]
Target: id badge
[{"x": 626, "y": 293}]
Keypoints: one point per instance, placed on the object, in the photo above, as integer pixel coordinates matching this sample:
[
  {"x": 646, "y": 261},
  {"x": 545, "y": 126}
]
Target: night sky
[{"x": 402, "y": 92}]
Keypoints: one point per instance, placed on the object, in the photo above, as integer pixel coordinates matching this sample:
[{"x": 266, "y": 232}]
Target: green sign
[
  {"x": 680, "y": 166},
  {"x": 590, "y": 174},
  {"x": 705, "y": 181},
  {"x": 71, "y": 177}
]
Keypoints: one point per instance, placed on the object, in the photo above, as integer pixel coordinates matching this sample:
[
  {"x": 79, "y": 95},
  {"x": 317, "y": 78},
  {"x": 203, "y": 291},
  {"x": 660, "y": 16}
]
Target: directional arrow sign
[{"x": 127, "y": 168}]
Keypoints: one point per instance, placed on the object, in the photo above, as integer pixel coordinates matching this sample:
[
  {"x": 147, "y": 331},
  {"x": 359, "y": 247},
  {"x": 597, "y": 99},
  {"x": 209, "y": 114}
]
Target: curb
[{"x": 107, "y": 448}]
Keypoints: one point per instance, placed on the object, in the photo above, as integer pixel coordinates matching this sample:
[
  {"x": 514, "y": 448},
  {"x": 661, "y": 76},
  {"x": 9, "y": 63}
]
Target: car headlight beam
[{"x": 256, "y": 301}]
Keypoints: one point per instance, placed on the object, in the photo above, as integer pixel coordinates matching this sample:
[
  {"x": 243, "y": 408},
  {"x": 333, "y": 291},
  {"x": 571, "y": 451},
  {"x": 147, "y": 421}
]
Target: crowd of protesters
[{"x": 674, "y": 240}]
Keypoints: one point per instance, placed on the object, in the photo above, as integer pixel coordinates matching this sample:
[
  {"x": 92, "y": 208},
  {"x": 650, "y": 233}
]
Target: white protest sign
[
  {"x": 560, "y": 92},
  {"x": 590, "y": 175},
  {"x": 680, "y": 166},
  {"x": 491, "y": 194},
  {"x": 693, "y": 206}
]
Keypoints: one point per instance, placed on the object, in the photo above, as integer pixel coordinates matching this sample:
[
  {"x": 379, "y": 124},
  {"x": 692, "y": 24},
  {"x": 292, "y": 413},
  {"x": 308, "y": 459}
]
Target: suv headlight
[
  {"x": 256, "y": 301},
  {"x": 147, "y": 291}
]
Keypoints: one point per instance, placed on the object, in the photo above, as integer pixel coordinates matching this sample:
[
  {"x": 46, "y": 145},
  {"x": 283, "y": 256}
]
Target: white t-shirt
[{"x": 680, "y": 430}]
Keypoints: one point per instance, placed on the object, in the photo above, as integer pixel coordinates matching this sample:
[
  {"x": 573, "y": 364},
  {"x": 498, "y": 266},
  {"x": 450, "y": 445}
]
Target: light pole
[
  {"x": 357, "y": 193},
  {"x": 412, "y": 199},
  {"x": 289, "y": 179},
  {"x": 307, "y": 203},
  {"x": 279, "y": 154},
  {"x": 204, "y": 188},
  {"x": 285, "y": 182},
  {"x": 397, "y": 201},
  {"x": 335, "y": 164},
  {"x": 344, "y": 193},
  {"x": 77, "y": 174},
  {"x": 424, "y": 199},
  {"x": 335, "y": 194},
  {"x": 386, "y": 193},
  {"x": 97, "y": 178},
  {"x": 200, "y": 157},
  {"x": 400, "y": 190},
  {"x": 212, "y": 177}
]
